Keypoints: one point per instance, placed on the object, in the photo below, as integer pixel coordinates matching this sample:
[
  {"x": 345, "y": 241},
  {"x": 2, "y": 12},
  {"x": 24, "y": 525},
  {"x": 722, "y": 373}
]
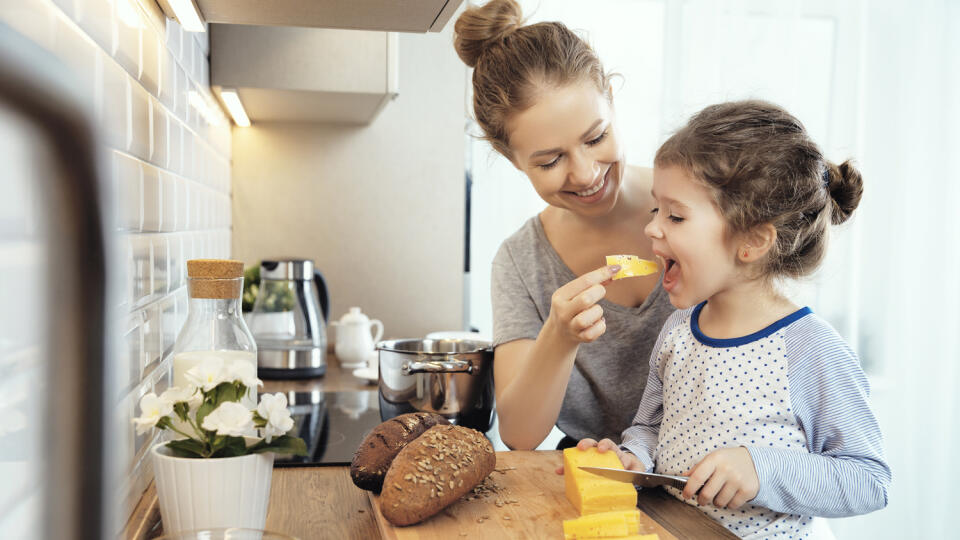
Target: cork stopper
[
  {"x": 214, "y": 268},
  {"x": 215, "y": 278}
]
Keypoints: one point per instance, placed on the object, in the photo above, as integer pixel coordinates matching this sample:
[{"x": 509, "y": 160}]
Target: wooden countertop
[{"x": 322, "y": 502}]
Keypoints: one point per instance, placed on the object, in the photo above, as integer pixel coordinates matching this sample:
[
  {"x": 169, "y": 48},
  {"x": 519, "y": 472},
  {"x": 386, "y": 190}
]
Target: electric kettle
[{"x": 288, "y": 321}]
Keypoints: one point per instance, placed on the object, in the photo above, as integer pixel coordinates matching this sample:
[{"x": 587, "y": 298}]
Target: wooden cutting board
[{"x": 531, "y": 501}]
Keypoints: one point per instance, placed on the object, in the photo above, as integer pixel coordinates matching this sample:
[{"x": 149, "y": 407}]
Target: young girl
[{"x": 760, "y": 402}]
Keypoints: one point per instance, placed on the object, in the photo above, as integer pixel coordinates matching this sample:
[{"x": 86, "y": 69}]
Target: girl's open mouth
[{"x": 671, "y": 273}]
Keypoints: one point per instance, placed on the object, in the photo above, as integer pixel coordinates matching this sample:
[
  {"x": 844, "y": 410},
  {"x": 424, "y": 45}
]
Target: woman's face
[{"x": 567, "y": 145}]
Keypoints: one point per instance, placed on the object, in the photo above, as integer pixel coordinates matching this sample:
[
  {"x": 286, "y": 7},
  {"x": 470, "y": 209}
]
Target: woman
[{"x": 572, "y": 348}]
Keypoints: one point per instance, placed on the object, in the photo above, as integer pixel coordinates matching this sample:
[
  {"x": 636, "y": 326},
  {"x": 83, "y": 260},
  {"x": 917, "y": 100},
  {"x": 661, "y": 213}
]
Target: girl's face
[
  {"x": 566, "y": 145},
  {"x": 687, "y": 230}
]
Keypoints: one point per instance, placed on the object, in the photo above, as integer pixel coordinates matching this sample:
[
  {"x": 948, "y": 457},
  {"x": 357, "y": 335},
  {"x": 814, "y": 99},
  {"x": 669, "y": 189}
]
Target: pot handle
[{"x": 441, "y": 366}]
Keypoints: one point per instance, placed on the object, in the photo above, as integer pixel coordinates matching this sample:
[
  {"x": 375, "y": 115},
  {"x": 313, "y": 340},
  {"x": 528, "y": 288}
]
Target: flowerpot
[{"x": 212, "y": 493}]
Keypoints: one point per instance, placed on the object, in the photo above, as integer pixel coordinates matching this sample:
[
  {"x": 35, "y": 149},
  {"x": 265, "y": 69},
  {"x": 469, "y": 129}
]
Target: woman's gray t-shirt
[{"x": 609, "y": 375}]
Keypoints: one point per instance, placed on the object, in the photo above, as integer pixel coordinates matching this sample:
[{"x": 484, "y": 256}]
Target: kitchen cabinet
[
  {"x": 388, "y": 15},
  {"x": 305, "y": 74}
]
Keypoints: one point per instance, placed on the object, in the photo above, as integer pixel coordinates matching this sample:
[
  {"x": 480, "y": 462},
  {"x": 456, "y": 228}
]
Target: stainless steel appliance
[
  {"x": 288, "y": 321},
  {"x": 452, "y": 377}
]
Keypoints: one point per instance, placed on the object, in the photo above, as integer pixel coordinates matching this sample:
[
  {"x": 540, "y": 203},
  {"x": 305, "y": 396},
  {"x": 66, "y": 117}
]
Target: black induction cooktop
[{"x": 333, "y": 424}]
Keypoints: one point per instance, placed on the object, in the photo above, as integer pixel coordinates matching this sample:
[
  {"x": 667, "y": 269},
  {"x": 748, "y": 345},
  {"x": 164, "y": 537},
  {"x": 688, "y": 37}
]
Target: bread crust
[
  {"x": 434, "y": 471},
  {"x": 378, "y": 449}
]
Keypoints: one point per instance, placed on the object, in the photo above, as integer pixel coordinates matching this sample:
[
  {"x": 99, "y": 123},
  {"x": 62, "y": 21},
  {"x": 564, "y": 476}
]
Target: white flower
[
  {"x": 188, "y": 394},
  {"x": 208, "y": 373},
  {"x": 152, "y": 409},
  {"x": 230, "y": 418},
  {"x": 245, "y": 372},
  {"x": 273, "y": 408}
]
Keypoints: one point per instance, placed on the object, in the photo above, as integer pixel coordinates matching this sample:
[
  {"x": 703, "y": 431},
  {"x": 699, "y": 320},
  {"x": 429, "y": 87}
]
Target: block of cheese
[
  {"x": 591, "y": 493},
  {"x": 631, "y": 265},
  {"x": 603, "y": 525}
]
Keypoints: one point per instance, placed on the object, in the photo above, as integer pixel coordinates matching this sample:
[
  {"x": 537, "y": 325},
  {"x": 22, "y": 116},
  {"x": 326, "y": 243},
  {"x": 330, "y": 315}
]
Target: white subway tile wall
[{"x": 168, "y": 169}]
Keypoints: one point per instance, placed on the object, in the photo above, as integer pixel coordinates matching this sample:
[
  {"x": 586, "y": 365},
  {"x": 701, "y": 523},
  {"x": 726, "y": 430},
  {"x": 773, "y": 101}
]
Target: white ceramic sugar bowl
[{"x": 354, "y": 341}]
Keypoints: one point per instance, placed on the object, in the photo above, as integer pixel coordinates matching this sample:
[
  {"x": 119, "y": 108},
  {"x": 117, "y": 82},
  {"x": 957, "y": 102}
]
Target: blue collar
[{"x": 736, "y": 342}]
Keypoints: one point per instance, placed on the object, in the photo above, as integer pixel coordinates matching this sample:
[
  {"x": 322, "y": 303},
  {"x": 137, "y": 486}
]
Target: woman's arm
[{"x": 531, "y": 376}]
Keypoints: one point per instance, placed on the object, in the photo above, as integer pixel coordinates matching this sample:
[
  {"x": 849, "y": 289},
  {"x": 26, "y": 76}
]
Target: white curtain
[{"x": 875, "y": 80}]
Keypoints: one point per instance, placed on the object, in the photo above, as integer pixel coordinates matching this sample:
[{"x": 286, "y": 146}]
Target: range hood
[
  {"x": 386, "y": 15},
  {"x": 288, "y": 74},
  {"x": 330, "y": 61}
]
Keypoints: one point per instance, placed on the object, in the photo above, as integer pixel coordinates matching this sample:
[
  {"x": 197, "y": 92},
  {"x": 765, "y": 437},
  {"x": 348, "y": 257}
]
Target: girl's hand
[
  {"x": 726, "y": 478},
  {"x": 629, "y": 461},
  {"x": 574, "y": 312}
]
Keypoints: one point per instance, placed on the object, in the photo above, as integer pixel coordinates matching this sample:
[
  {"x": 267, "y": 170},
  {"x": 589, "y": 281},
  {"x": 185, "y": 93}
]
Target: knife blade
[{"x": 637, "y": 478}]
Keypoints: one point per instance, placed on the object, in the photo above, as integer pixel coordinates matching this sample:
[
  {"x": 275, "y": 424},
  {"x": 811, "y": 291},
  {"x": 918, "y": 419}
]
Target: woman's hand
[
  {"x": 574, "y": 312},
  {"x": 629, "y": 461},
  {"x": 727, "y": 476}
]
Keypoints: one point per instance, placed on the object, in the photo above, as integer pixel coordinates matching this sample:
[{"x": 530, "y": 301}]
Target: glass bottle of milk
[{"x": 214, "y": 327}]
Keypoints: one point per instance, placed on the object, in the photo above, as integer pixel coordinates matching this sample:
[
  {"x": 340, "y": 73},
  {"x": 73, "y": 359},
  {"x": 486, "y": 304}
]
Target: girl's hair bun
[
  {"x": 479, "y": 26},
  {"x": 846, "y": 188}
]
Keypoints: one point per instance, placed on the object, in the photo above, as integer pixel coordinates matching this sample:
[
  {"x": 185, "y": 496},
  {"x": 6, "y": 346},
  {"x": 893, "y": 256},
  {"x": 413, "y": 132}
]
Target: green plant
[
  {"x": 277, "y": 294},
  {"x": 251, "y": 285},
  {"x": 208, "y": 414}
]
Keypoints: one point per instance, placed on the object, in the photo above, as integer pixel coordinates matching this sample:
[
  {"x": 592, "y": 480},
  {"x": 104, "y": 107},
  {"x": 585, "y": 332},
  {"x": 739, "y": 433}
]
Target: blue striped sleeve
[
  {"x": 640, "y": 439},
  {"x": 843, "y": 472}
]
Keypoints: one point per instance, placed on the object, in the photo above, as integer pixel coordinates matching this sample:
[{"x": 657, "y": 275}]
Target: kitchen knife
[{"x": 637, "y": 478}]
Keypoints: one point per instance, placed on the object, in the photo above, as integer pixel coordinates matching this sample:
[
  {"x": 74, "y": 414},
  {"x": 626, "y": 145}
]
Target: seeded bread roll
[
  {"x": 434, "y": 471},
  {"x": 383, "y": 443}
]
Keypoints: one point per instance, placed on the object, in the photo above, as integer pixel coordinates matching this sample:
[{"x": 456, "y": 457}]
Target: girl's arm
[
  {"x": 845, "y": 472},
  {"x": 640, "y": 439}
]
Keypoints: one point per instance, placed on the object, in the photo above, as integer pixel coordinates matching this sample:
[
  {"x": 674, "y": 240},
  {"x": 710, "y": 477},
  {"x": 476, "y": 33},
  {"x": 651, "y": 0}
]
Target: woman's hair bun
[
  {"x": 846, "y": 188},
  {"x": 479, "y": 26}
]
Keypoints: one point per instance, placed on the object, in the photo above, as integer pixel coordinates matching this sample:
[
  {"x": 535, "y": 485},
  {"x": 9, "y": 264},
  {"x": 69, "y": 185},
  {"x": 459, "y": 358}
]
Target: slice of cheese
[
  {"x": 631, "y": 265},
  {"x": 591, "y": 493},
  {"x": 603, "y": 525}
]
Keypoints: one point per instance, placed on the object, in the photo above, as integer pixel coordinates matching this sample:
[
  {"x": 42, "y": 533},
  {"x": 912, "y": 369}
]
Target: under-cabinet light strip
[
  {"x": 235, "y": 107},
  {"x": 187, "y": 15}
]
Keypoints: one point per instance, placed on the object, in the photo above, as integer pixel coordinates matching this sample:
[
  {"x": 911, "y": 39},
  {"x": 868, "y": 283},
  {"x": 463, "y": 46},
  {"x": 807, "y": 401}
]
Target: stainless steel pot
[{"x": 451, "y": 377}]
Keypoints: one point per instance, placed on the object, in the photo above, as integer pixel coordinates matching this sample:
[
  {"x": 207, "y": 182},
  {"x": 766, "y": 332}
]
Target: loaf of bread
[
  {"x": 374, "y": 455},
  {"x": 434, "y": 471}
]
